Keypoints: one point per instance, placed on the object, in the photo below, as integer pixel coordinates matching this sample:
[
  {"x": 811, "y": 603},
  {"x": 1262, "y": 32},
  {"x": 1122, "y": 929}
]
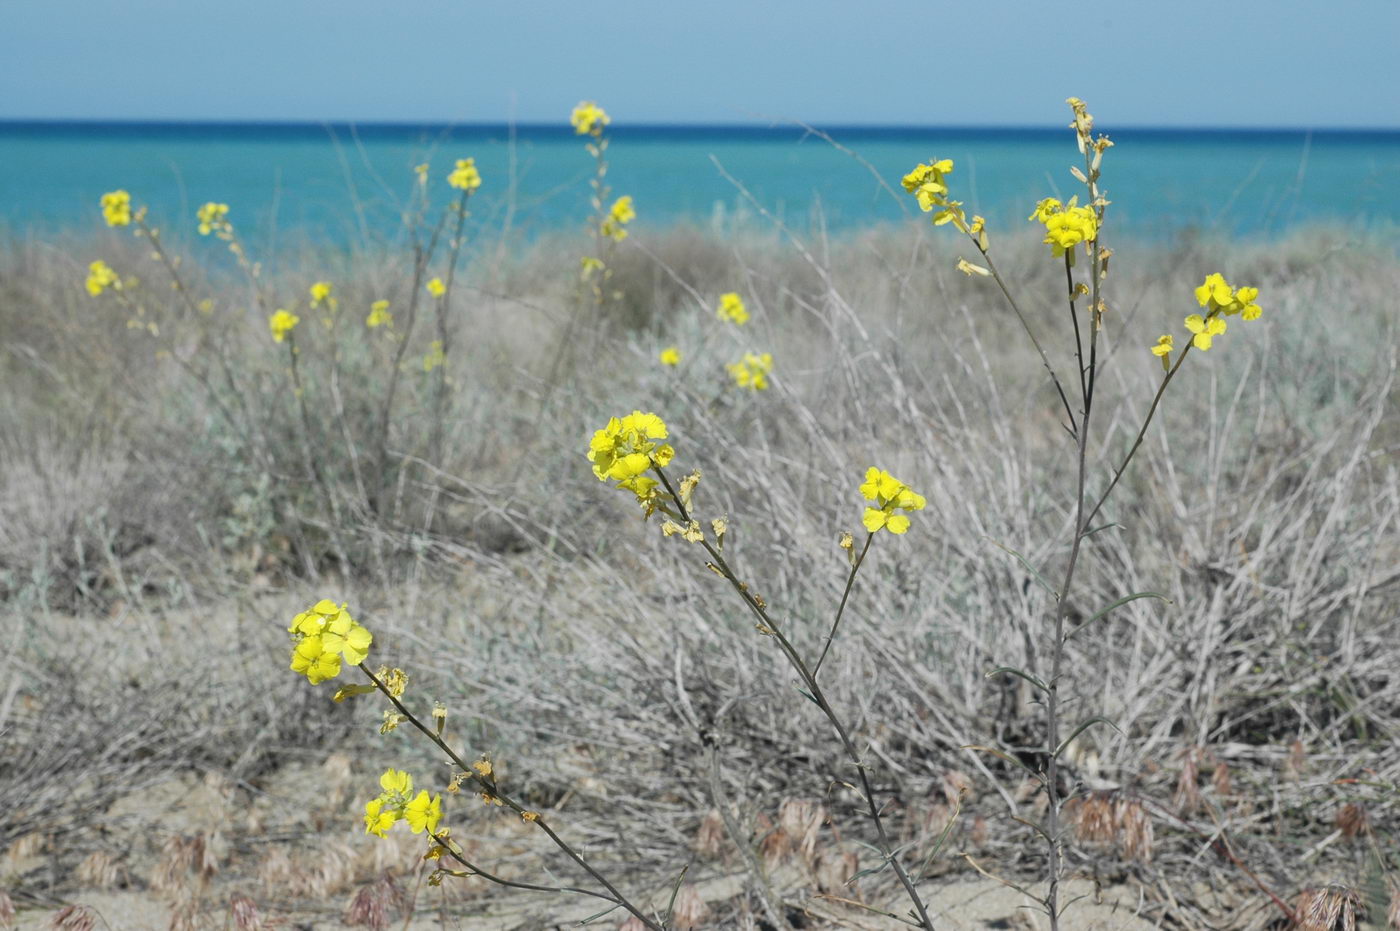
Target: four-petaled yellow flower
[
  {"x": 752, "y": 371},
  {"x": 588, "y": 119},
  {"x": 282, "y": 323},
  {"x": 321, "y": 294},
  {"x": 890, "y": 495},
  {"x": 1205, "y": 329},
  {"x": 927, "y": 184},
  {"x": 116, "y": 208},
  {"x": 465, "y": 177},
  {"x": 1066, "y": 225},
  {"x": 423, "y": 812},
  {"x": 377, "y": 820},
  {"x": 213, "y": 218},
  {"x": 379, "y": 315},
  {"x": 615, "y": 224},
  {"x": 324, "y": 634},
  {"x": 731, "y": 308},
  {"x": 101, "y": 276},
  {"x": 671, "y": 355},
  {"x": 626, "y": 449},
  {"x": 1216, "y": 294},
  {"x": 435, "y": 287}
]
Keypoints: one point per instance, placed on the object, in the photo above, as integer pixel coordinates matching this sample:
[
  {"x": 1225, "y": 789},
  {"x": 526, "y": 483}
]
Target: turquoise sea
[{"x": 346, "y": 184}]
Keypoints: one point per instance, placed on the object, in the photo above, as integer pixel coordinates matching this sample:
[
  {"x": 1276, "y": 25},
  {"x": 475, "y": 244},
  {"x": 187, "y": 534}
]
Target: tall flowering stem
[{"x": 767, "y": 625}]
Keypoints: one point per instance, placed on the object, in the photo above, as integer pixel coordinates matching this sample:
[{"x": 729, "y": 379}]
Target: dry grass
[{"x": 147, "y": 568}]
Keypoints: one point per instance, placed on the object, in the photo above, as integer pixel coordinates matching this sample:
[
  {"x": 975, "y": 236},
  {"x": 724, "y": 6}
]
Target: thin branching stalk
[
  {"x": 313, "y": 462},
  {"x": 444, "y": 334},
  {"x": 841, "y": 609}
]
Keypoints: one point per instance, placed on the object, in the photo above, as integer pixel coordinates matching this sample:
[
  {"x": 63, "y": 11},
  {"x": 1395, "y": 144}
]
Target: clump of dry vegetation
[{"x": 159, "y": 523}]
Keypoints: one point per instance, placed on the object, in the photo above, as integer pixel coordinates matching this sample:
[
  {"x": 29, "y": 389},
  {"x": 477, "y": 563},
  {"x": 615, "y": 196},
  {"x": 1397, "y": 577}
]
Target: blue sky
[{"x": 1181, "y": 63}]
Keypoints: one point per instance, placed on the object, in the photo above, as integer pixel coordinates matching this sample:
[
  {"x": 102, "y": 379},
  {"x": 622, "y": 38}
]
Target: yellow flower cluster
[
  {"x": 434, "y": 356},
  {"x": 102, "y": 276},
  {"x": 732, "y": 309},
  {"x": 213, "y": 218},
  {"x": 890, "y": 495},
  {"x": 435, "y": 287},
  {"x": 928, "y": 185},
  {"x": 465, "y": 177},
  {"x": 321, "y": 294},
  {"x": 627, "y": 448},
  {"x": 1066, "y": 225},
  {"x": 671, "y": 355},
  {"x": 397, "y": 802},
  {"x": 752, "y": 371},
  {"x": 379, "y": 315},
  {"x": 615, "y": 224},
  {"x": 1219, "y": 300},
  {"x": 324, "y": 633},
  {"x": 588, "y": 119},
  {"x": 116, "y": 208},
  {"x": 282, "y": 323}
]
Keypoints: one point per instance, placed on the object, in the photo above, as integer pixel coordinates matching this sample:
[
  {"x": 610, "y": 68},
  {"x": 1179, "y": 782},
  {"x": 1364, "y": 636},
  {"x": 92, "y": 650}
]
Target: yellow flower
[
  {"x": 1244, "y": 304},
  {"x": 377, "y": 821},
  {"x": 890, "y": 495},
  {"x": 282, "y": 323},
  {"x": 116, "y": 208},
  {"x": 100, "y": 277},
  {"x": 379, "y": 315},
  {"x": 396, "y": 782},
  {"x": 321, "y": 294},
  {"x": 588, "y": 266},
  {"x": 436, "y": 288},
  {"x": 927, "y": 184},
  {"x": 423, "y": 812},
  {"x": 671, "y": 355},
  {"x": 615, "y": 226},
  {"x": 465, "y": 177},
  {"x": 434, "y": 356},
  {"x": 752, "y": 371},
  {"x": 1066, "y": 225},
  {"x": 212, "y": 218},
  {"x": 626, "y": 449},
  {"x": 311, "y": 659},
  {"x": 1163, "y": 351},
  {"x": 1215, "y": 292},
  {"x": 731, "y": 308},
  {"x": 1205, "y": 330},
  {"x": 325, "y": 632},
  {"x": 588, "y": 119}
]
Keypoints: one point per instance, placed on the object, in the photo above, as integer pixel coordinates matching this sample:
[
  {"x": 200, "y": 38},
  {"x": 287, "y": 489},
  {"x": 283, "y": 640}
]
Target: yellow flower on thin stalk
[
  {"x": 321, "y": 295},
  {"x": 890, "y": 496},
  {"x": 1066, "y": 225},
  {"x": 732, "y": 309},
  {"x": 379, "y": 315},
  {"x": 671, "y": 355},
  {"x": 281, "y": 323},
  {"x": 465, "y": 177},
  {"x": 626, "y": 449},
  {"x": 752, "y": 371},
  {"x": 213, "y": 218},
  {"x": 1205, "y": 329},
  {"x": 435, "y": 287},
  {"x": 1163, "y": 350},
  {"x": 615, "y": 224},
  {"x": 102, "y": 276},
  {"x": 116, "y": 208},
  {"x": 588, "y": 119}
]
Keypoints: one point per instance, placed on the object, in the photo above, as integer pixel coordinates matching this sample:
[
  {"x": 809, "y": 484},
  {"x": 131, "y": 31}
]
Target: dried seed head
[
  {"x": 690, "y": 909},
  {"x": 834, "y": 870},
  {"x": 1220, "y": 781},
  {"x": 1333, "y": 907},
  {"x": 73, "y": 918},
  {"x": 244, "y": 913},
  {"x": 1187, "y": 798},
  {"x": 368, "y": 908},
  {"x": 98, "y": 870},
  {"x": 1352, "y": 820},
  {"x": 275, "y": 869},
  {"x": 774, "y": 848},
  {"x": 1094, "y": 818},
  {"x": 802, "y": 820},
  {"x": 709, "y": 839},
  {"x": 1135, "y": 841}
]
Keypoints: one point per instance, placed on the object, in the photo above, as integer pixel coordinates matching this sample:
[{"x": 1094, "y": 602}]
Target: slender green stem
[
  {"x": 841, "y": 609},
  {"x": 771, "y": 627},
  {"x": 490, "y": 787},
  {"x": 1074, "y": 317}
]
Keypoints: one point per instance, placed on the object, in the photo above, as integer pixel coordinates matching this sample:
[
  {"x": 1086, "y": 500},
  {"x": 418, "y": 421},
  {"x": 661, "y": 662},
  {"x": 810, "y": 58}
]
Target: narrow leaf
[
  {"x": 1097, "y": 719},
  {"x": 1028, "y": 567},
  {"x": 1024, "y": 675},
  {"x": 1118, "y": 604}
]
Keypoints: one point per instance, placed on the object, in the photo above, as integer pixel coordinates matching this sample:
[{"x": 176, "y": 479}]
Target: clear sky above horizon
[{"x": 1246, "y": 63}]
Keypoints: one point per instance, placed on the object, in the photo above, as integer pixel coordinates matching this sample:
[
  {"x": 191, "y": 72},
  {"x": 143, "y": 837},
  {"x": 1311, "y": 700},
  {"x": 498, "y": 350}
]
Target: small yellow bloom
[
  {"x": 436, "y": 288},
  {"x": 423, "y": 812},
  {"x": 622, "y": 213},
  {"x": 377, "y": 820},
  {"x": 1066, "y": 225},
  {"x": 671, "y": 355},
  {"x": 100, "y": 277},
  {"x": 282, "y": 323},
  {"x": 889, "y": 495},
  {"x": 324, "y": 633},
  {"x": 588, "y": 266},
  {"x": 626, "y": 449},
  {"x": 434, "y": 357},
  {"x": 321, "y": 294},
  {"x": 379, "y": 315},
  {"x": 116, "y": 208},
  {"x": 213, "y": 218},
  {"x": 312, "y": 660},
  {"x": 396, "y": 782},
  {"x": 1205, "y": 330},
  {"x": 1215, "y": 293},
  {"x": 731, "y": 308},
  {"x": 588, "y": 119},
  {"x": 1163, "y": 350},
  {"x": 465, "y": 177},
  {"x": 752, "y": 371}
]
